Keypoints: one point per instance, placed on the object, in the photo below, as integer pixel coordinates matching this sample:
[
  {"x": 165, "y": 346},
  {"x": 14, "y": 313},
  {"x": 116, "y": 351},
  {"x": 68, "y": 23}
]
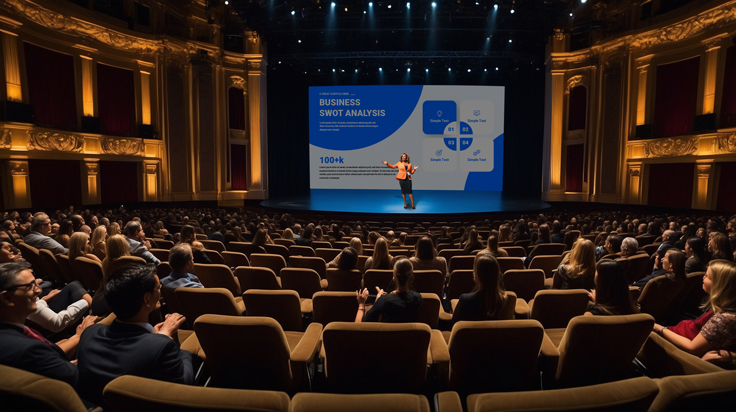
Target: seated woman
[
  {"x": 493, "y": 249},
  {"x": 97, "y": 244},
  {"x": 487, "y": 299},
  {"x": 381, "y": 258},
  {"x": 401, "y": 305},
  {"x": 720, "y": 247},
  {"x": 64, "y": 233},
  {"x": 347, "y": 259},
  {"x": 260, "y": 239},
  {"x": 473, "y": 243},
  {"x": 425, "y": 257},
  {"x": 577, "y": 270},
  {"x": 611, "y": 295},
  {"x": 79, "y": 247},
  {"x": 544, "y": 235},
  {"x": 9, "y": 253},
  {"x": 288, "y": 234},
  {"x": 719, "y": 332},
  {"x": 188, "y": 236},
  {"x": 356, "y": 244},
  {"x": 673, "y": 266},
  {"x": 504, "y": 233},
  {"x": 115, "y": 247},
  {"x": 695, "y": 253},
  {"x": 61, "y": 308},
  {"x": 113, "y": 229}
]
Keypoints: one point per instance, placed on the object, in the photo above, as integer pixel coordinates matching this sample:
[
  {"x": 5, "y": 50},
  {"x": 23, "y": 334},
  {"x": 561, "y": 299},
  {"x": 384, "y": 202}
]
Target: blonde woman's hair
[
  {"x": 288, "y": 234},
  {"x": 356, "y": 244},
  {"x": 113, "y": 229},
  {"x": 582, "y": 258},
  {"x": 98, "y": 236},
  {"x": 381, "y": 255},
  {"x": 77, "y": 245},
  {"x": 723, "y": 288},
  {"x": 117, "y": 246},
  {"x": 504, "y": 233}
]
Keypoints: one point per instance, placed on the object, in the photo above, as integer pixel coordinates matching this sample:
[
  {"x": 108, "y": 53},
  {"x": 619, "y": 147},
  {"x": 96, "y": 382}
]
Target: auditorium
[{"x": 174, "y": 172}]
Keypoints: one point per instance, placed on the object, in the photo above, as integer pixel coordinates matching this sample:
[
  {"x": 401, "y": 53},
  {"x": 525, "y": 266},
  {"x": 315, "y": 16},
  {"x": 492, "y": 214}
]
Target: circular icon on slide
[{"x": 438, "y": 153}]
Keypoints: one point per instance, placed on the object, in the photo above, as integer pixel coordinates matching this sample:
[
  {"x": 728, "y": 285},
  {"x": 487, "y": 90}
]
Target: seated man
[
  {"x": 135, "y": 236},
  {"x": 39, "y": 236},
  {"x": 131, "y": 346},
  {"x": 22, "y": 347},
  {"x": 181, "y": 261}
]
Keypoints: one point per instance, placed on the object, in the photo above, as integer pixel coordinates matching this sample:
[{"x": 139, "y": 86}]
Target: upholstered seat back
[{"x": 281, "y": 305}]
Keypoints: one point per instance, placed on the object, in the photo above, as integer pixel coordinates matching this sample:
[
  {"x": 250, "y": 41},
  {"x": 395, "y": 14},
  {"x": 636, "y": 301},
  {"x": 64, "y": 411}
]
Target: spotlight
[
  {"x": 434, "y": 4},
  {"x": 226, "y": 2},
  {"x": 333, "y": 70},
  {"x": 370, "y": 4},
  {"x": 342, "y": 70},
  {"x": 333, "y": 4},
  {"x": 389, "y": 6},
  {"x": 380, "y": 69},
  {"x": 495, "y": 7},
  {"x": 346, "y": 9},
  {"x": 509, "y": 40},
  {"x": 512, "y": 11},
  {"x": 363, "y": 11},
  {"x": 570, "y": 14},
  {"x": 485, "y": 70},
  {"x": 293, "y": 12},
  {"x": 468, "y": 70},
  {"x": 408, "y": 70},
  {"x": 583, "y": 1},
  {"x": 356, "y": 70},
  {"x": 426, "y": 70},
  {"x": 488, "y": 38},
  {"x": 449, "y": 69},
  {"x": 477, "y": 3},
  {"x": 496, "y": 68},
  {"x": 408, "y": 5},
  {"x": 300, "y": 40}
]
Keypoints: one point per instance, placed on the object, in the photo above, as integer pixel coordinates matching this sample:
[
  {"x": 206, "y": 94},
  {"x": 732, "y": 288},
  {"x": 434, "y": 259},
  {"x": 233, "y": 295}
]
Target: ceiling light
[{"x": 293, "y": 12}]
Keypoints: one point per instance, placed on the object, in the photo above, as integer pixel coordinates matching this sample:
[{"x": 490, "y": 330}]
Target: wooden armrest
[
  {"x": 309, "y": 345},
  {"x": 447, "y": 402}
]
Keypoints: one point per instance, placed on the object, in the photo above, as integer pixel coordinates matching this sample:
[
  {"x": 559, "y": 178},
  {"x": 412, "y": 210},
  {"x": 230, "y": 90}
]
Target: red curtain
[
  {"x": 726, "y": 193},
  {"x": 116, "y": 100},
  {"x": 239, "y": 166},
  {"x": 55, "y": 183},
  {"x": 118, "y": 182},
  {"x": 676, "y": 97},
  {"x": 574, "y": 168},
  {"x": 728, "y": 99},
  {"x": 671, "y": 185},
  {"x": 51, "y": 87},
  {"x": 236, "y": 108},
  {"x": 577, "y": 109}
]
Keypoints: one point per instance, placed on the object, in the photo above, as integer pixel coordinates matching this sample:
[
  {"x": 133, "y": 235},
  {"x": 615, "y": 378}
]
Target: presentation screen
[{"x": 453, "y": 134}]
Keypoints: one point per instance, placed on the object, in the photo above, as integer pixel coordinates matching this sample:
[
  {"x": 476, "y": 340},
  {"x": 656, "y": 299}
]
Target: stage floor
[{"x": 389, "y": 202}]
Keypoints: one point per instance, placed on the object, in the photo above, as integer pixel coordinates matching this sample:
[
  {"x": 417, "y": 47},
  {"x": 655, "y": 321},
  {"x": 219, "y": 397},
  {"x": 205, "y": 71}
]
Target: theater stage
[{"x": 427, "y": 202}]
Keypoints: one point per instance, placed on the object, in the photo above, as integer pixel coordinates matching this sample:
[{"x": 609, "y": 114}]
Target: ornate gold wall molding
[
  {"x": 6, "y": 141},
  {"x": 123, "y": 146},
  {"x": 55, "y": 141},
  {"x": 574, "y": 81},
  {"x": 18, "y": 168},
  {"x": 76, "y": 27},
  {"x": 671, "y": 147},
  {"x": 688, "y": 28},
  {"x": 238, "y": 82},
  {"x": 726, "y": 143}
]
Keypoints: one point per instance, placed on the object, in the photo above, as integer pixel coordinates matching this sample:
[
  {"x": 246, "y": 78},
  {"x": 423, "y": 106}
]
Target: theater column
[
  {"x": 642, "y": 67},
  {"x": 12, "y": 67},
  {"x": 711, "y": 72},
  {"x": 703, "y": 197},
  {"x": 555, "y": 130},
  {"x": 18, "y": 195},
  {"x": 635, "y": 183},
  {"x": 256, "y": 101},
  {"x": 91, "y": 182},
  {"x": 150, "y": 182}
]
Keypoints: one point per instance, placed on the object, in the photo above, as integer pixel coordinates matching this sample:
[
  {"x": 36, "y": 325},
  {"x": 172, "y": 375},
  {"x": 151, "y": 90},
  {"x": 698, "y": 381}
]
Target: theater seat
[
  {"x": 26, "y": 391},
  {"x": 385, "y": 402},
  {"x": 133, "y": 393}
]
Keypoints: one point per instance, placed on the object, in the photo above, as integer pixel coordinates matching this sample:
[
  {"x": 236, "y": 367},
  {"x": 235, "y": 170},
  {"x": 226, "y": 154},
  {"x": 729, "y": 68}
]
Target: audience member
[
  {"x": 381, "y": 258},
  {"x": 79, "y": 247},
  {"x": 39, "y": 236},
  {"x": 97, "y": 244},
  {"x": 673, "y": 266},
  {"x": 9, "y": 253},
  {"x": 131, "y": 346},
  {"x": 135, "y": 236},
  {"x": 401, "y": 305},
  {"x": 695, "y": 253},
  {"x": 347, "y": 259},
  {"x": 488, "y": 298},
  {"x": 629, "y": 247},
  {"x": 577, "y": 270},
  {"x": 181, "y": 261},
  {"x": 611, "y": 295},
  {"x": 426, "y": 258},
  {"x": 189, "y": 237}
]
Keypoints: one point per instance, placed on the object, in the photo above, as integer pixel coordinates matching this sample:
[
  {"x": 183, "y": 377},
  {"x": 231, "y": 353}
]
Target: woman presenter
[{"x": 404, "y": 177}]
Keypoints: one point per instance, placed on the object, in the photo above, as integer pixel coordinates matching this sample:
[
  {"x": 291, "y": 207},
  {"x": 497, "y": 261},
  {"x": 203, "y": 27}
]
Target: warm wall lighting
[
  {"x": 88, "y": 94},
  {"x": 12, "y": 70},
  {"x": 145, "y": 97}
]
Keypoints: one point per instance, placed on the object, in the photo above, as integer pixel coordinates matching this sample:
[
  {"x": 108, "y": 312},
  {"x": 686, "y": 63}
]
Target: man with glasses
[
  {"x": 22, "y": 347},
  {"x": 39, "y": 236}
]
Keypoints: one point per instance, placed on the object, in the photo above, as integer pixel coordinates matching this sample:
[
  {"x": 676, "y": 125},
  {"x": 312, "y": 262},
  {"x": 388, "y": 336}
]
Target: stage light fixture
[
  {"x": 380, "y": 69},
  {"x": 477, "y": 3},
  {"x": 509, "y": 40},
  {"x": 434, "y": 4},
  {"x": 426, "y": 70},
  {"x": 408, "y": 70},
  {"x": 226, "y": 2},
  {"x": 333, "y": 70},
  {"x": 333, "y": 4},
  {"x": 468, "y": 70},
  {"x": 485, "y": 70},
  {"x": 512, "y": 11},
  {"x": 449, "y": 69},
  {"x": 346, "y": 9},
  {"x": 570, "y": 14},
  {"x": 408, "y": 5},
  {"x": 356, "y": 70},
  {"x": 389, "y": 6},
  {"x": 300, "y": 40},
  {"x": 496, "y": 68},
  {"x": 495, "y": 7},
  {"x": 583, "y": 1},
  {"x": 363, "y": 11},
  {"x": 342, "y": 70},
  {"x": 293, "y": 12},
  {"x": 370, "y": 4}
]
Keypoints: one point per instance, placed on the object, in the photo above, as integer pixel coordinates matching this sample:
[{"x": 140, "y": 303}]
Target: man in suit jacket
[
  {"x": 131, "y": 346},
  {"x": 39, "y": 236},
  {"x": 21, "y": 347},
  {"x": 181, "y": 261},
  {"x": 135, "y": 236}
]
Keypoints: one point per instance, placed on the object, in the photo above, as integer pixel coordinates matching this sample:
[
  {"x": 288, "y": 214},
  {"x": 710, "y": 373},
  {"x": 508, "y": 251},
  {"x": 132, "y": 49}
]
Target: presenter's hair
[{"x": 407, "y": 157}]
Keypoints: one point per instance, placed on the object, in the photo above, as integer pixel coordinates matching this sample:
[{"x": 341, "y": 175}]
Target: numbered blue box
[{"x": 437, "y": 114}]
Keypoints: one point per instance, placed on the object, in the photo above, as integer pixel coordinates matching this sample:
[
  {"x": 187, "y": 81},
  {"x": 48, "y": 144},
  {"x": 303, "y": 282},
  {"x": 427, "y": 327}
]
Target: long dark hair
[
  {"x": 490, "y": 284},
  {"x": 612, "y": 290}
]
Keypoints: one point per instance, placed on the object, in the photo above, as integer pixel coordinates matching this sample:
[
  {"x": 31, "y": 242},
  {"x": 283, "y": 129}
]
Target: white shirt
[{"x": 56, "y": 322}]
